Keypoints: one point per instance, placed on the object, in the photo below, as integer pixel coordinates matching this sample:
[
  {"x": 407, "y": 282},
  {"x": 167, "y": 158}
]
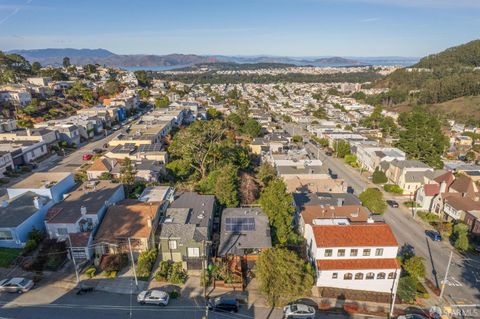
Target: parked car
[
  {"x": 299, "y": 311},
  {"x": 87, "y": 157},
  {"x": 412, "y": 316},
  {"x": 223, "y": 304},
  {"x": 154, "y": 297},
  {"x": 434, "y": 235},
  {"x": 392, "y": 203},
  {"x": 17, "y": 284},
  {"x": 97, "y": 151}
]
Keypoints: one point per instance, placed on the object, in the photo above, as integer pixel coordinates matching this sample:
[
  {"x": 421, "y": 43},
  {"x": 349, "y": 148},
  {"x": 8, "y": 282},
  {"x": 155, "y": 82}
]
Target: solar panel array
[
  {"x": 239, "y": 224},
  {"x": 157, "y": 147}
]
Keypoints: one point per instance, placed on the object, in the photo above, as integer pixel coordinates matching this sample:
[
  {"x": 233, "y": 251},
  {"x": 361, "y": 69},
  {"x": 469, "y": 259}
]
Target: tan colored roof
[
  {"x": 102, "y": 164},
  {"x": 362, "y": 235},
  {"x": 464, "y": 184},
  {"x": 40, "y": 180},
  {"x": 358, "y": 264},
  {"x": 459, "y": 202},
  {"x": 321, "y": 185},
  {"x": 355, "y": 213},
  {"x": 128, "y": 218}
]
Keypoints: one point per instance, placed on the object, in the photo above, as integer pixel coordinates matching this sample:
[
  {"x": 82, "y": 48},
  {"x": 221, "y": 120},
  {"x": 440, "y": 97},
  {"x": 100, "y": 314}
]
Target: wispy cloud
[
  {"x": 15, "y": 10},
  {"x": 423, "y": 3},
  {"x": 366, "y": 20}
]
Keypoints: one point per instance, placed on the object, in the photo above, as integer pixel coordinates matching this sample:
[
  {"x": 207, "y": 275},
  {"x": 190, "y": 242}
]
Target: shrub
[
  {"x": 36, "y": 235},
  {"x": 90, "y": 272},
  {"x": 145, "y": 263},
  {"x": 205, "y": 279},
  {"x": 392, "y": 188},
  {"x": 422, "y": 291},
  {"x": 410, "y": 204},
  {"x": 171, "y": 272},
  {"x": 30, "y": 246},
  {"x": 111, "y": 263},
  {"x": 407, "y": 289},
  {"x": 379, "y": 177},
  {"x": 174, "y": 294},
  {"x": 428, "y": 217}
]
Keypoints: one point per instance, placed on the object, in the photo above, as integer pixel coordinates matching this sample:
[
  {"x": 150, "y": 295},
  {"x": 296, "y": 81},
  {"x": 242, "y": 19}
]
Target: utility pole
[
  {"x": 394, "y": 294},
  {"x": 205, "y": 277},
  {"x": 73, "y": 258},
  {"x": 133, "y": 262},
  {"x": 446, "y": 274}
]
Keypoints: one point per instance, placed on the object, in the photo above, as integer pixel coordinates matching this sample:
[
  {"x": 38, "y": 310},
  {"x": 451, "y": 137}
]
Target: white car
[
  {"x": 18, "y": 285},
  {"x": 298, "y": 311},
  {"x": 154, "y": 297}
]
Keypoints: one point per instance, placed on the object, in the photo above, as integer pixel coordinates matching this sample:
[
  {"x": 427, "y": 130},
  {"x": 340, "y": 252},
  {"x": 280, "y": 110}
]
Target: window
[
  {"x": 370, "y": 275},
  {"x": 6, "y": 235},
  {"x": 335, "y": 275},
  {"x": 366, "y": 252},
  {"x": 353, "y": 252},
  {"x": 172, "y": 244},
  {"x": 381, "y": 275},
  {"x": 358, "y": 276},
  {"x": 62, "y": 231},
  {"x": 347, "y": 276},
  {"x": 379, "y": 252},
  {"x": 341, "y": 253},
  {"x": 392, "y": 275},
  {"x": 328, "y": 253},
  {"x": 193, "y": 252}
]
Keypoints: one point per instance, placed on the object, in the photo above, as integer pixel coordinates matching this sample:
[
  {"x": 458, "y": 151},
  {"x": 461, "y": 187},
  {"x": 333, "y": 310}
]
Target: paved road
[
  {"x": 56, "y": 303},
  {"x": 463, "y": 284}
]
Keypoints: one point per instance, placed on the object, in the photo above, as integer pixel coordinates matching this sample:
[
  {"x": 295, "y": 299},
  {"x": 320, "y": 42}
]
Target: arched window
[
  {"x": 392, "y": 275},
  {"x": 358, "y": 276},
  {"x": 370, "y": 275},
  {"x": 347, "y": 276},
  {"x": 381, "y": 275}
]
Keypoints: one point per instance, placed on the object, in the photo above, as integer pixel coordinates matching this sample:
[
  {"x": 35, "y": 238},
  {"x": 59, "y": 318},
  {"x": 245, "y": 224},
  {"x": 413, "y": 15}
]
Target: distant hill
[
  {"x": 466, "y": 55},
  {"x": 54, "y": 57}
]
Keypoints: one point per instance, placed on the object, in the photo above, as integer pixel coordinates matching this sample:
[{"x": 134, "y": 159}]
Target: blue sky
[{"x": 242, "y": 27}]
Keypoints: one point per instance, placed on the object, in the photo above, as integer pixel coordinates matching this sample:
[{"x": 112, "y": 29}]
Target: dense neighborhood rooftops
[
  {"x": 459, "y": 202},
  {"x": 19, "y": 209},
  {"x": 41, "y": 180},
  {"x": 409, "y": 164},
  {"x": 358, "y": 235},
  {"x": 357, "y": 264},
  {"x": 85, "y": 195},
  {"x": 128, "y": 219},
  {"x": 243, "y": 228}
]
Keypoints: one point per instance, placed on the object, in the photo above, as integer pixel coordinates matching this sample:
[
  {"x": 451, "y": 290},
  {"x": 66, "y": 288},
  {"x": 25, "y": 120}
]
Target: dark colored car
[
  {"x": 435, "y": 236},
  {"x": 97, "y": 151},
  {"x": 392, "y": 203},
  {"x": 223, "y": 304}
]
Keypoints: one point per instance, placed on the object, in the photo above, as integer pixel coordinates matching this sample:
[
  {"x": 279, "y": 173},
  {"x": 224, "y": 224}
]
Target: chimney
[
  {"x": 83, "y": 210},
  {"x": 37, "y": 202},
  {"x": 355, "y": 212},
  {"x": 370, "y": 220},
  {"x": 149, "y": 222}
]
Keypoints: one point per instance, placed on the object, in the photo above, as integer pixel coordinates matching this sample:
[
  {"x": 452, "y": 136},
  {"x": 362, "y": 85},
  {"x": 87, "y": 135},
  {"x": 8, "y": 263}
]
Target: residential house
[
  {"x": 128, "y": 223},
  {"x": 6, "y": 162},
  {"x": 82, "y": 211},
  {"x": 408, "y": 174},
  {"x": 49, "y": 184},
  {"x": 20, "y": 215},
  {"x": 370, "y": 157},
  {"x": 353, "y": 257},
  {"x": 245, "y": 232}
]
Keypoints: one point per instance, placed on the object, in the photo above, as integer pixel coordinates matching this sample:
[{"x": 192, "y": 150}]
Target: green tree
[
  {"x": 36, "y": 66},
  {"x": 127, "y": 172},
  {"x": 144, "y": 94},
  {"x": 226, "y": 187},
  {"x": 162, "y": 102},
  {"x": 415, "y": 267},
  {"x": 266, "y": 173},
  {"x": 341, "y": 148},
  {"x": 372, "y": 198},
  {"x": 277, "y": 205},
  {"x": 292, "y": 277},
  {"x": 252, "y": 128},
  {"x": 422, "y": 137},
  {"x": 66, "y": 62},
  {"x": 320, "y": 113},
  {"x": 379, "y": 177},
  {"x": 213, "y": 114},
  {"x": 143, "y": 78},
  {"x": 297, "y": 139},
  {"x": 407, "y": 289},
  {"x": 460, "y": 236}
]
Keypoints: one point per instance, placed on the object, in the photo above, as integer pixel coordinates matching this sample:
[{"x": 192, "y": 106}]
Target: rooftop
[
  {"x": 19, "y": 209},
  {"x": 357, "y": 264},
  {"x": 41, "y": 180},
  {"x": 358, "y": 235}
]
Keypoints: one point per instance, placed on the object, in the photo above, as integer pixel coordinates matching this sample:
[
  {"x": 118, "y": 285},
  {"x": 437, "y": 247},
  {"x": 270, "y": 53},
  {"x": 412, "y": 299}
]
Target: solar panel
[{"x": 239, "y": 224}]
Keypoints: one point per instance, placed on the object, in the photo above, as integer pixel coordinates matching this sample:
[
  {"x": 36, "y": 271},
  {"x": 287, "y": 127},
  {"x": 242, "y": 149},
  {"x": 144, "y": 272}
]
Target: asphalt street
[
  {"x": 56, "y": 303},
  {"x": 463, "y": 283}
]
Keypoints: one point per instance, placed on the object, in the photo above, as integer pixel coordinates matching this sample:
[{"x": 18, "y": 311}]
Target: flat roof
[{"x": 41, "y": 180}]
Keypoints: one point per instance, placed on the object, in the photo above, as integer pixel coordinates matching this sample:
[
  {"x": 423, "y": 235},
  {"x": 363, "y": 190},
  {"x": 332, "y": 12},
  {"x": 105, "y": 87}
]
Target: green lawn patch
[{"x": 8, "y": 255}]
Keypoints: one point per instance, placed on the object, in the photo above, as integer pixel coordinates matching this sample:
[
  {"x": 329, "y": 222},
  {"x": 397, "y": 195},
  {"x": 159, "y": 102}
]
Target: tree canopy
[
  {"x": 292, "y": 278},
  {"x": 372, "y": 198}
]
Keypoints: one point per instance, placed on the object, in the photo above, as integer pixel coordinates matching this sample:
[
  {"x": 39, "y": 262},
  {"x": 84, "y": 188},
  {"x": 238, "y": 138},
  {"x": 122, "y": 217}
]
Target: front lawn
[{"x": 8, "y": 255}]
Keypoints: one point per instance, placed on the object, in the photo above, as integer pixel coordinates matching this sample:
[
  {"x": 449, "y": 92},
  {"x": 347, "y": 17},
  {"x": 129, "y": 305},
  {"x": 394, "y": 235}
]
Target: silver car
[
  {"x": 154, "y": 297},
  {"x": 299, "y": 311},
  {"x": 18, "y": 285}
]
